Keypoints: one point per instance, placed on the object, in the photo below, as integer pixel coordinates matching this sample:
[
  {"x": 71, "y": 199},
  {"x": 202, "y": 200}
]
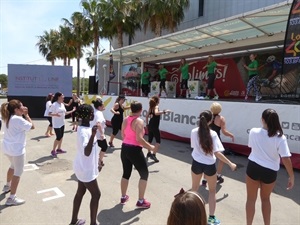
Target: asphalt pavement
[{"x": 48, "y": 185}]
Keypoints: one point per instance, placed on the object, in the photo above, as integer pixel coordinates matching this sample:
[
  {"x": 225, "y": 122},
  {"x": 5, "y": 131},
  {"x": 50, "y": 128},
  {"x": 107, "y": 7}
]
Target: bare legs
[
  {"x": 95, "y": 193},
  {"x": 220, "y": 167},
  {"x": 142, "y": 187},
  {"x": 112, "y": 137},
  {"x": 265, "y": 192},
  {"x": 12, "y": 180},
  {"x": 57, "y": 144},
  {"x": 49, "y": 131},
  {"x": 212, "y": 182}
]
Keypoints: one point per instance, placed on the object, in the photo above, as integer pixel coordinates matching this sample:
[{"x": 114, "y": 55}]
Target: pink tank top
[{"x": 130, "y": 135}]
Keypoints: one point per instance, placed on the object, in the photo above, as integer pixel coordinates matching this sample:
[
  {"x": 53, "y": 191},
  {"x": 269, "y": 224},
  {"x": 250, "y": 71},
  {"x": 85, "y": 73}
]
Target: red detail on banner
[{"x": 228, "y": 82}]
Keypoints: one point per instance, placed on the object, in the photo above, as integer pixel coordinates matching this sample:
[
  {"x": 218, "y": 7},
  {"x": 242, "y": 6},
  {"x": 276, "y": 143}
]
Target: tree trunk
[
  {"x": 158, "y": 29},
  {"x": 78, "y": 71},
  {"x": 120, "y": 36},
  {"x": 95, "y": 52}
]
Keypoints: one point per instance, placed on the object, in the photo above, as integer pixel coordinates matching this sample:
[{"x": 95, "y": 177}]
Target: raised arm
[
  {"x": 88, "y": 148},
  {"x": 157, "y": 112}
]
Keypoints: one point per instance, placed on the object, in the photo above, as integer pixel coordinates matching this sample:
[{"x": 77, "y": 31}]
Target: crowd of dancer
[{"x": 268, "y": 145}]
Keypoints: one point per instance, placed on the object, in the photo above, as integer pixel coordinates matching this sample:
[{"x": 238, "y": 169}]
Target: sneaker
[
  {"x": 258, "y": 98},
  {"x": 144, "y": 205},
  {"x": 149, "y": 155},
  {"x": 60, "y": 151},
  {"x": 79, "y": 222},
  {"x": 246, "y": 98},
  {"x": 220, "y": 179},
  {"x": 204, "y": 182},
  {"x": 111, "y": 144},
  {"x": 274, "y": 84},
  {"x": 6, "y": 188},
  {"x": 14, "y": 201},
  {"x": 154, "y": 158},
  {"x": 206, "y": 97},
  {"x": 53, "y": 154},
  {"x": 124, "y": 199},
  {"x": 216, "y": 97},
  {"x": 213, "y": 221}
]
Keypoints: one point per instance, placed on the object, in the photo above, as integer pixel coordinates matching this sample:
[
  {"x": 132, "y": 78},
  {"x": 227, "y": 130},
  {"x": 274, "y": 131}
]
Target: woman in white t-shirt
[
  {"x": 206, "y": 147},
  {"x": 268, "y": 145},
  {"x": 49, "y": 131},
  {"x": 14, "y": 142},
  {"x": 101, "y": 121},
  {"x": 86, "y": 164},
  {"x": 58, "y": 112}
]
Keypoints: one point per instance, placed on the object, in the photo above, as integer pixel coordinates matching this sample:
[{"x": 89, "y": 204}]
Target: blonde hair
[{"x": 215, "y": 108}]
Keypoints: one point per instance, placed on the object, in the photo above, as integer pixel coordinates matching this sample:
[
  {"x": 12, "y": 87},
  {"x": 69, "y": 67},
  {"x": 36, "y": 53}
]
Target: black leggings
[
  {"x": 153, "y": 133},
  {"x": 133, "y": 155}
]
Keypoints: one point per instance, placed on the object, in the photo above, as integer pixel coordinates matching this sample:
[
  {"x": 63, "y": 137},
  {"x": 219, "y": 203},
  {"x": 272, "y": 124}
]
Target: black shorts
[
  {"x": 211, "y": 81},
  {"x": 263, "y": 174},
  {"x": 59, "y": 133},
  {"x": 198, "y": 168},
  {"x": 103, "y": 145},
  {"x": 162, "y": 84},
  {"x": 184, "y": 84}
]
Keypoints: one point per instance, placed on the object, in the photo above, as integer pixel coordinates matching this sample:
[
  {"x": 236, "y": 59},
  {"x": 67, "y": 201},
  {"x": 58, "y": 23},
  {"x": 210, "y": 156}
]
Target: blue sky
[{"x": 21, "y": 21}]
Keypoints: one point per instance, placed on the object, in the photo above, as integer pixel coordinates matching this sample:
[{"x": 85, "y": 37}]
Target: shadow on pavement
[{"x": 116, "y": 215}]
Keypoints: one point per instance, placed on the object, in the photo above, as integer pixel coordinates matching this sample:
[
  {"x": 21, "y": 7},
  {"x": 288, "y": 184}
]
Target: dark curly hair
[{"x": 84, "y": 111}]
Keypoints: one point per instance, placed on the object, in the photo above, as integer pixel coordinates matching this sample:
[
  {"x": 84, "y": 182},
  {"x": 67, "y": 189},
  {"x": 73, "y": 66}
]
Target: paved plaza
[{"x": 48, "y": 185}]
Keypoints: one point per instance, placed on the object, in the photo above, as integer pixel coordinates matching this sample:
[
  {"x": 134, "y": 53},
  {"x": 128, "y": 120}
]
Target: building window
[{"x": 201, "y": 8}]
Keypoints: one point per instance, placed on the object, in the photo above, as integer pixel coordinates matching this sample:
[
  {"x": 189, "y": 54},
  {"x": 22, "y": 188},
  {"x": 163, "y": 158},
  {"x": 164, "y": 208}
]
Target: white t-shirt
[
  {"x": 265, "y": 150},
  {"x": 99, "y": 118},
  {"x": 86, "y": 167},
  {"x": 48, "y": 105},
  {"x": 198, "y": 154},
  {"x": 58, "y": 121},
  {"x": 14, "y": 139}
]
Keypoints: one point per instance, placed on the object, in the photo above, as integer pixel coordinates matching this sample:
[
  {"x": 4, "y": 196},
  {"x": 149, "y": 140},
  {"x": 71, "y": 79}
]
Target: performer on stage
[
  {"x": 211, "y": 66},
  {"x": 162, "y": 72}
]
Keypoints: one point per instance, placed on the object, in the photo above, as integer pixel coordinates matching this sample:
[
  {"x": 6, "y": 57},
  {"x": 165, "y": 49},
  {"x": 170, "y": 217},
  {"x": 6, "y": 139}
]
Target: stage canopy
[{"x": 262, "y": 29}]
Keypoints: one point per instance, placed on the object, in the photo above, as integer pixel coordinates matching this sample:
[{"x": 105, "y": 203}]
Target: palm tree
[
  {"x": 163, "y": 14},
  {"x": 120, "y": 17},
  {"x": 66, "y": 50},
  {"x": 80, "y": 37},
  {"x": 48, "y": 45},
  {"x": 92, "y": 12}
]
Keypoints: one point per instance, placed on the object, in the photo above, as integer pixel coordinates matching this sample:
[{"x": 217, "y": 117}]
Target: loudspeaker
[{"x": 93, "y": 85}]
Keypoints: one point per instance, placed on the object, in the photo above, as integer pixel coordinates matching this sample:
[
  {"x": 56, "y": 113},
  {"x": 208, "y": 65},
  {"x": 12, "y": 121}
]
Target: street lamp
[
  {"x": 104, "y": 80},
  {"x": 83, "y": 71}
]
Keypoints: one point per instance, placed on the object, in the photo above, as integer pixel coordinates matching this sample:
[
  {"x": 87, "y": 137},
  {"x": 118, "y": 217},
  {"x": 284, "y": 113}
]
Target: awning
[{"x": 264, "y": 27}]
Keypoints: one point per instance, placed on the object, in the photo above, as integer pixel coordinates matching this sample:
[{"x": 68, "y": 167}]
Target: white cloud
[{"x": 21, "y": 21}]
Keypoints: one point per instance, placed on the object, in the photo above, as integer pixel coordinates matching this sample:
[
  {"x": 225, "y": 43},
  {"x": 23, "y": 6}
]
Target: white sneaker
[
  {"x": 14, "y": 201},
  {"x": 258, "y": 98},
  {"x": 216, "y": 97},
  {"x": 6, "y": 188}
]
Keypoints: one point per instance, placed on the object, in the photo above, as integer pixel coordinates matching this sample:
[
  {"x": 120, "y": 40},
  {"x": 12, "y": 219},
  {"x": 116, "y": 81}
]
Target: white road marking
[
  {"x": 58, "y": 193},
  {"x": 30, "y": 167}
]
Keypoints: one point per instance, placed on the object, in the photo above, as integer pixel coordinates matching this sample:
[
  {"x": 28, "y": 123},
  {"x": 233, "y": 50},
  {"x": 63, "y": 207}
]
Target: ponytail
[{"x": 205, "y": 138}]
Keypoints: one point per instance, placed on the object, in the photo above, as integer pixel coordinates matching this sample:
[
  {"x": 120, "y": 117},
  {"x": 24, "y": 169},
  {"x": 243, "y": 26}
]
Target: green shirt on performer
[{"x": 145, "y": 78}]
